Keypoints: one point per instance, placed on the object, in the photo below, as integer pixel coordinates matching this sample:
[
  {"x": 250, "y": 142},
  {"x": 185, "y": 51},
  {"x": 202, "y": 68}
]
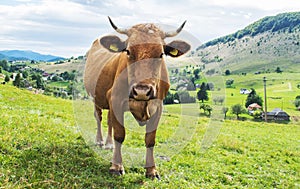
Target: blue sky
[{"x": 68, "y": 27}]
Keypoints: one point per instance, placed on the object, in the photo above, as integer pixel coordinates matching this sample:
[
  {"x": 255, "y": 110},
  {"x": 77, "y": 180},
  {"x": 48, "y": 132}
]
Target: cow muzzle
[{"x": 142, "y": 92}]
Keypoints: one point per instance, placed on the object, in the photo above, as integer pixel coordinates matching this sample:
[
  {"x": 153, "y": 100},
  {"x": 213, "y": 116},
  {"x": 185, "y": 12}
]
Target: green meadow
[
  {"x": 281, "y": 89},
  {"x": 48, "y": 142}
]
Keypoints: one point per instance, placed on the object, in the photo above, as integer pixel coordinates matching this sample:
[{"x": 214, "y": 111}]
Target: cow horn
[
  {"x": 121, "y": 31},
  {"x": 174, "y": 33}
]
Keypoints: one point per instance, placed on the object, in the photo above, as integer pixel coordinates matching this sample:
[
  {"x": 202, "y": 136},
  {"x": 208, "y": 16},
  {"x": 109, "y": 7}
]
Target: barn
[{"x": 276, "y": 115}]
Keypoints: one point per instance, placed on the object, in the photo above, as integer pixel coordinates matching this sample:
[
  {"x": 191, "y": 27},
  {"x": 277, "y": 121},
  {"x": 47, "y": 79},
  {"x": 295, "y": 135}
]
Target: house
[
  {"x": 253, "y": 107},
  {"x": 277, "y": 115},
  {"x": 244, "y": 91}
]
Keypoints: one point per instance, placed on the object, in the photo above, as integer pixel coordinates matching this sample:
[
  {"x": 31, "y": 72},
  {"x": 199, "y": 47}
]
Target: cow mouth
[{"x": 142, "y": 110}]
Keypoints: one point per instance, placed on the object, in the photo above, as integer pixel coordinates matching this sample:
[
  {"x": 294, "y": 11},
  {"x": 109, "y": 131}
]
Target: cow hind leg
[
  {"x": 99, "y": 137},
  {"x": 109, "y": 142}
]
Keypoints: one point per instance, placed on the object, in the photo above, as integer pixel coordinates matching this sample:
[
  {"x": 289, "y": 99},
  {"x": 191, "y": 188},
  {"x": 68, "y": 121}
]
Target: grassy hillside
[
  {"x": 281, "y": 22},
  {"x": 41, "y": 147},
  {"x": 262, "y": 46}
]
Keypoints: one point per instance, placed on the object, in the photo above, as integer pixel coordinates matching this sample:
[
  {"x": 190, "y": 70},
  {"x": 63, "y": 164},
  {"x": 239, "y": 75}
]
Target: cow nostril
[
  {"x": 134, "y": 92},
  {"x": 150, "y": 92}
]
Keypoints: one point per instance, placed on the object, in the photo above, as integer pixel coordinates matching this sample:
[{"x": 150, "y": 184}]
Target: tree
[
  {"x": 55, "y": 78},
  {"x": 17, "y": 81},
  {"x": 206, "y": 108},
  {"x": 225, "y": 110},
  {"x": 4, "y": 65},
  {"x": 169, "y": 98},
  {"x": 229, "y": 82},
  {"x": 40, "y": 82},
  {"x": 209, "y": 109},
  {"x": 215, "y": 99},
  {"x": 253, "y": 98},
  {"x": 202, "y": 93},
  {"x": 278, "y": 70},
  {"x": 0, "y": 69},
  {"x": 25, "y": 74},
  {"x": 256, "y": 114},
  {"x": 219, "y": 99},
  {"x": 210, "y": 86},
  {"x": 6, "y": 79},
  {"x": 227, "y": 72},
  {"x": 237, "y": 109},
  {"x": 196, "y": 73},
  {"x": 202, "y": 106},
  {"x": 176, "y": 71},
  {"x": 185, "y": 97},
  {"x": 297, "y": 101}
]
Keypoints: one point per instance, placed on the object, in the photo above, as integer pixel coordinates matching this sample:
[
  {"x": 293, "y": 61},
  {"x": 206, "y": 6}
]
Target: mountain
[
  {"x": 27, "y": 55},
  {"x": 263, "y": 46},
  {"x": 284, "y": 21}
]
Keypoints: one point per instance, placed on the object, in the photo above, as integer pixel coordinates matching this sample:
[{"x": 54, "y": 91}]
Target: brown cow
[{"x": 130, "y": 76}]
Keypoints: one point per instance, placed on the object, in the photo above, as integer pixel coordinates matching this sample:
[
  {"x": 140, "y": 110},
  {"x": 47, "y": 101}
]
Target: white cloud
[
  {"x": 68, "y": 27},
  {"x": 265, "y": 5}
]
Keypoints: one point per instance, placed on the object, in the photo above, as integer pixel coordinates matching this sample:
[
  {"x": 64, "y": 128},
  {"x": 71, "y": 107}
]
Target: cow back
[{"x": 97, "y": 59}]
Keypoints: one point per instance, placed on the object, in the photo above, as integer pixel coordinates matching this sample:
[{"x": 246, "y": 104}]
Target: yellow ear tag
[
  {"x": 174, "y": 52},
  {"x": 114, "y": 47}
]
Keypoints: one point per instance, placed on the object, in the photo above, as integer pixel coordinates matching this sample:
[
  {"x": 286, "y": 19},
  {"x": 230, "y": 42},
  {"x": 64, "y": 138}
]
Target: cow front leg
[
  {"x": 150, "y": 167},
  {"x": 98, "y": 116},
  {"x": 151, "y": 171},
  {"x": 119, "y": 136}
]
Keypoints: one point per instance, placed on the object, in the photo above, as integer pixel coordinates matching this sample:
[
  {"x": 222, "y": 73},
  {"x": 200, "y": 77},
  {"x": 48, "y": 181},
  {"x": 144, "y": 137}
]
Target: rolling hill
[
  {"x": 13, "y": 55},
  {"x": 41, "y": 147},
  {"x": 263, "y": 46}
]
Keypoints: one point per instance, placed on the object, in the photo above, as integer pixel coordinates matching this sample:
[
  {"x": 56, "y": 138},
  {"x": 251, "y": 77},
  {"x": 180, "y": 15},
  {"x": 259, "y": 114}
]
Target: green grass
[
  {"x": 60, "y": 84},
  {"x": 41, "y": 147},
  {"x": 281, "y": 90}
]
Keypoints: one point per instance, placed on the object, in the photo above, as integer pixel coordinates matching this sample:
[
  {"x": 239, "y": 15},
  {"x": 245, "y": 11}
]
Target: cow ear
[
  {"x": 113, "y": 43},
  {"x": 176, "y": 48}
]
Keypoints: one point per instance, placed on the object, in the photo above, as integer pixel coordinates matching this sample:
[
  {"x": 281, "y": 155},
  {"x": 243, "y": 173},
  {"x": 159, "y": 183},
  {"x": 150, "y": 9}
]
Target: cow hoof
[
  {"x": 100, "y": 143},
  {"x": 117, "y": 170},
  {"x": 152, "y": 173},
  {"x": 109, "y": 146}
]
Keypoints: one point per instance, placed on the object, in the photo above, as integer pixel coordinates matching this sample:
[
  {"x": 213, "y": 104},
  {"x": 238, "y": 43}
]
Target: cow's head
[{"x": 145, "y": 48}]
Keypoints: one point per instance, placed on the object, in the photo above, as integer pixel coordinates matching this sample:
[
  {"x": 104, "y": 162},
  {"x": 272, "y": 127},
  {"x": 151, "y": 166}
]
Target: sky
[{"x": 68, "y": 27}]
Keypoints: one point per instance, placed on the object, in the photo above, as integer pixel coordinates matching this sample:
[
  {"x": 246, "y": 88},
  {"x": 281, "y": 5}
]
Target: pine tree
[
  {"x": 253, "y": 98},
  {"x": 202, "y": 93}
]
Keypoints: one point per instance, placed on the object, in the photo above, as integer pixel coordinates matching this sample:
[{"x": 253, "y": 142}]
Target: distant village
[{"x": 24, "y": 74}]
